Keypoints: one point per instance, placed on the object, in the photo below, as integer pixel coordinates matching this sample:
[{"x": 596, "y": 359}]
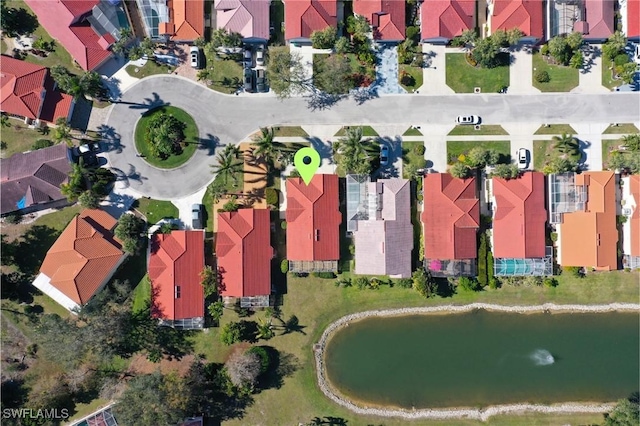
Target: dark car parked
[
  {"x": 248, "y": 80},
  {"x": 261, "y": 81},
  {"x": 196, "y": 216}
]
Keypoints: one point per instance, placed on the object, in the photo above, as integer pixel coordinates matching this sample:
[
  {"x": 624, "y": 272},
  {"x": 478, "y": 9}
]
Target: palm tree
[
  {"x": 227, "y": 166},
  {"x": 353, "y": 151},
  {"x": 4, "y": 121},
  {"x": 567, "y": 144},
  {"x": 631, "y": 142},
  {"x": 265, "y": 329},
  {"x": 63, "y": 131},
  {"x": 266, "y": 147}
]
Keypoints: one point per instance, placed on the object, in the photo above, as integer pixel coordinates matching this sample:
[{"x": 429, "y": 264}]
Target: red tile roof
[
  {"x": 313, "y": 218},
  {"x": 84, "y": 256},
  {"x": 302, "y": 17},
  {"x": 634, "y": 182},
  {"x": 524, "y": 14},
  {"x": 386, "y": 17},
  {"x": 633, "y": 19},
  {"x": 186, "y": 20},
  {"x": 56, "y": 104},
  {"x": 244, "y": 253},
  {"x": 599, "y": 20},
  {"x": 451, "y": 217},
  {"x": 22, "y": 85},
  {"x": 63, "y": 20},
  {"x": 519, "y": 217},
  {"x": 447, "y": 18},
  {"x": 176, "y": 260}
]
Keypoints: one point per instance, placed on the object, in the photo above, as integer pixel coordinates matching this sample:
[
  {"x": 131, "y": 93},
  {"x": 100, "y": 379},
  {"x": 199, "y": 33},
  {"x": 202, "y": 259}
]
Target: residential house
[
  {"x": 313, "y": 224},
  {"x": 387, "y": 18},
  {"x": 442, "y": 20},
  {"x": 175, "y": 263},
  {"x": 28, "y": 92},
  {"x": 68, "y": 22},
  {"x": 82, "y": 260},
  {"x": 527, "y": 15},
  {"x": 518, "y": 235},
  {"x": 632, "y": 24},
  {"x": 244, "y": 254},
  {"x": 588, "y": 236},
  {"x": 31, "y": 181},
  {"x": 631, "y": 228},
  {"x": 303, "y": 17},
  {"x": 247, "y": 17},
  {"x": 450, "y": 220},
  {"x": 595, "y": 21},
  {"x": 185, "y": 21},
  {"x": 384, "y": 241}
]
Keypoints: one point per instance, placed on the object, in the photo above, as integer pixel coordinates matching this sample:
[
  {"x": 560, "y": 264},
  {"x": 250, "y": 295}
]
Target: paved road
[{"x": 226, "y": 119}]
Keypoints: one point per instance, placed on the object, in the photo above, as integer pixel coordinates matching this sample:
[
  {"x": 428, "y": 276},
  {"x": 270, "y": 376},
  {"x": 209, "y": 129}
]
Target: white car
[
  {"x": 523, "y": 158},
  {"x": 194, "y": 55},
  {"x": 384, "y": 155},
  {"x": 468, "y": 119},
  {"x": 260, "y": 56}
]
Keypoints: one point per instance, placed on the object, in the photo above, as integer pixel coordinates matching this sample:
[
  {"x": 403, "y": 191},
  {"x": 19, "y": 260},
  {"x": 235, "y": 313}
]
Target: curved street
[{"x": 224, "y": 119}]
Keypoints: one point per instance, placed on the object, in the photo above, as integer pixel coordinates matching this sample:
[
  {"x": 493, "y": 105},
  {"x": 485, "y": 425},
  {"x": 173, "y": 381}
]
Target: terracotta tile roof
[
  {"x": 247, "y": 17},
  {"x": 451, "y": 217},
  {"x": 313, "y": 218},
  {"x": 244, "y": 252},
  {"x": 186, "y": 20},
  {"x": 302, "y": 17},
  {"x": 634, "y": 223},
  {"x": 386, "y": 17},
  {"x": 633, "y": 20},
  {"x": 176, "y": 260},
  {"x": 447, "y": 18},
  {"x": 589, "y": 238},
  {"x": 21, "y": 86},
  {"x": 84, "y": 256},
  {"x": 524, "y": 14},
  {"x": 56, "y": 104},
  {"x": 519, "y": 217},
  {"x": 599, "y": 20}
]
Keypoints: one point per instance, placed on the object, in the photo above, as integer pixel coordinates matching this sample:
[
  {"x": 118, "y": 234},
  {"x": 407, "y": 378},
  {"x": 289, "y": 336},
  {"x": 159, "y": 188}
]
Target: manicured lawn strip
[
  {"x": 290, "y": 131},
  {"x": 150, "y": 68},
  {"x": 19, "y": 137},
  {"x": 141, "y": 295},
  {"x": 607, "y": 74},
  {"x": 456, "y": 148},
  {"x": 488, "y": 129},
  {"x": 563, "y": 79},
  {"x": 226, "y": 76},
  {"x": 154, "y": 210},
  {"x": 463, "y": 78},
  {"x": 191, "y": 138},
  {"x": 409, "y": 156},
  {"x": 412, "y": 132},
  {"x": 542, "y": 151},
  {"x": 621, "y": 129},
  {"x": 366, "y": 131},
  {"x": 555, "y": 129},
  {"x": 414, "y": 72}
]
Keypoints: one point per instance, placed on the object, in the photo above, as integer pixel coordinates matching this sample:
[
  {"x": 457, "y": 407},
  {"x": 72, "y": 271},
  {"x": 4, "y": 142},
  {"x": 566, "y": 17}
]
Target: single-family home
[
  {"x": 527, "y": 15},
  {"x": 631, "y": 228},
  {"x": 303, "y": 17},
  {"x": 632, "y": 23},
  {"x": 387, "y": 18},
  {"x": 82, "y": 260},
  {"x": 68, "y": 22},
  {"x": 31, "y": 181},
  {"x": 28, "y": 92},
  {"x": 247, "y": 17},
  {"x": 595, "y": 21},
  {"x": 442, "y": 20},
  {"x": 383, "y": 241},
  {"x": 184, "y": 21},
  {"x": 176, "y": 261},
  {"x": 588, "y": 235},
  {"x": 518, "y": 234},
  {"x": 244, "y": 253},
  {"x": 450, "y": 221},
  {"x": 313, "y": 224}
]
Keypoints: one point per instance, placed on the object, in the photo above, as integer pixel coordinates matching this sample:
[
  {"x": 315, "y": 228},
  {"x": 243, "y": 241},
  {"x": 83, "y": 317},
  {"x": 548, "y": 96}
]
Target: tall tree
[
  {"x": 631, "y": 142},
  {"x": 62, "y": 132},
  {"x": 209, "y": 277},
  {"x": 164, "y": 134},
  {"x": 266, "y": 147},
  {"x": 333, "y": 75},
  {"x": 567, "y": 144},
  {"x": 324, "y": 39},
  {"x": 460, "y": 170},
  {"x": 16, "y": 21},
  {"x": 285, "y": 72},
  {"x": 228, "y": 166},
  {"x": 243, "y": 369},
  {"x": 487, "y": 53},
  {"x": 4, "y": 120},
  {"x": 625, "y": 413},
  {"x": 423, "y": 283},
  {"x": 353, "y": 151},
  {"x": 129, "y": 230}
]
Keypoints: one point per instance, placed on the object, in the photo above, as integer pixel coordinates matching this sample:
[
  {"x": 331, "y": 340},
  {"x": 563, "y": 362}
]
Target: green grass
[
  {"x": 414, "y": 72},
  {"x": 150, "y": 68},
  {"x": 542, "y": 152},
  {"x": 19, "y": 138},
  {"x": 463, "y": 78},
  {"x": 457, "y": 148},
  {"x": 608, "y": 146},
  {"x": 555, "y": 129},
  {"x": 621, "y": 129},
  {"x": 231, "y": 186},
  {"x": 141, "y": 295},
  {"x": 290, "y": 131},
  {"x": 563, "y": 79},
  {"x": 409, "y": 156},
  {"x": 367, "y": 131},
  {"x": 3, "y": 46},
  {"x": 190, "y": 144},
  {"x": 226, "y": 75},
  {"x": 154, "y": 210},
  {"x": 607, "y": 74},
  {"x": 412, "y": 132},
  {"x": 489, "y": 129},
  {"x": 83, "y": 410}
]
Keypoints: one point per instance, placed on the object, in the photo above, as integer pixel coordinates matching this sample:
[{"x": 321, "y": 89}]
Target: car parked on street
[
  {"x": 194, "y": 55},
  {"x": 468, "y": 119},
  {"x": 260, "y": 56},
  {"x": 248, "y": 80},
  {"x": 196, "y": 216},
  {"x": 384, "y": 155},
  {"x": 523, "y": 158},
  {"x": 261, "y": 85}
]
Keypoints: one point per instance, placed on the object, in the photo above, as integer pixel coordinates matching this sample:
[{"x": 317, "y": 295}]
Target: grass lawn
[
  {"x": 462, "y": 77},
  {"x": 155, "y": 210},
  {"x": 621, "y": 129},
  {"x": 191, "y": 138},
  {"x": 489, "y": 129},
  {"x": 543, "y": 151},
  {"x": 231, "y": 186},
  {"x": 226, "y": 75},
  {"x": 410, "y": 156},
  {"x": 609, "y": 146},
  {"x": 607, "y": 74},
  {"x": 290, "y": 131},
  {"x": 141, "y": 294},
  {"x": 555, "y": 129},
  {"x": 150, "y": 68},
  {"x": 457, "y": 148},
  {"x": 563, "y": 79},
  {"x": 19, "y": 138},
  {"x": 414, "y": 72},
  {"x": 3, "y": 46},
  {"x": 411, "y": 131},
  {"x": 366, "y": 131}
]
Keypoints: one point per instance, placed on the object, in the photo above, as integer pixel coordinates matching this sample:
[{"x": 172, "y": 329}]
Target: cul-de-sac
[{"x": 320, "y": 212}]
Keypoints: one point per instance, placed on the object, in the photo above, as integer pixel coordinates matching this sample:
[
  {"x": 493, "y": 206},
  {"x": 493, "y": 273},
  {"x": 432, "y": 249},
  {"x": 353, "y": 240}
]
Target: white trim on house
[{"x": 43, "y": 283}]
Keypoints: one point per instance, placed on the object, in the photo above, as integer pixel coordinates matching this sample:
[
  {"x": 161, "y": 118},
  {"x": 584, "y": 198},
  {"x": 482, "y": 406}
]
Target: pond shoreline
[{"x": 469, "y": 413}]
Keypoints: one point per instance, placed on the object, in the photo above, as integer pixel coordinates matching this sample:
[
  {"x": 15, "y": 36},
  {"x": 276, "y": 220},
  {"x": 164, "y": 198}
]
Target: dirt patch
[
  {"x": 141, "y": 365},
  {"x": 15, "y": 360}
]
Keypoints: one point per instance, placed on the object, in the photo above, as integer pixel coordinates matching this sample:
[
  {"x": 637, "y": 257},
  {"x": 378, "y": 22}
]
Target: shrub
[
  {"x": 271, "y": 196},
  {"x": 575, "y": 271},
  {"x": 419, "y": 149},
  {"x": 89, "y": 200},
  {"x": 263, "y": 355},
  {"x": 231, "y": 333},
  {"x": 405, "y": 282},
  {"x": 13, "y": 218},
  {"x": 407, "y": 79},
  {"x": 361, "y": 282},
  {"x": 283, "y": 224},
  {"x": 352, "y": 249},
  {"x": 420, "y": 197},
  {"x": 554, "y": 236},
  {"x": 544, "y": 50},
  {"x": 413, "y": 33},
  {"x": 324, "y": 39},
  {"x": 489, "y": 263},
  {"x": 621, "y": 219},
  {"x": 325, "y": 275},
  {"x": 621, "y": 59},
  {"x": 542, "y": 76},
  {"x": 471, "y": 60},
  {"x": 494, "y": 283},
  {"x": 343, "y": 282},
  {"x": 550, "y": 282},
  {"x": 284, "y": 266},
  {"x": 42, "y": 143},
  {"x": 483, "y": 279},
  {"x": 468, "y": 284}
]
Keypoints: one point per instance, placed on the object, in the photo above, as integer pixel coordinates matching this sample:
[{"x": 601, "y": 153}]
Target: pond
[{"x": 482, "y": 358}]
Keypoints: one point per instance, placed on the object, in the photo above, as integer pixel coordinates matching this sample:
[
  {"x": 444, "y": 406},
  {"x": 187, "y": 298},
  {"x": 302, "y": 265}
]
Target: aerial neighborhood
[{"x": 198, "y": 197}]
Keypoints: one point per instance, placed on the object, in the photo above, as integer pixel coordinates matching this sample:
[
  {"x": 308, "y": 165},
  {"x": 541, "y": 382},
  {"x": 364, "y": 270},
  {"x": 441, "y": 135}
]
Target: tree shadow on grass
[
  {"x": 33, "y": 247},
  {"x": 281, "y": 365}
]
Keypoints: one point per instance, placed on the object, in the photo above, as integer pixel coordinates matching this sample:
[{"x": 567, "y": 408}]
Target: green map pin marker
[{"x": 307, "y": 161}]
